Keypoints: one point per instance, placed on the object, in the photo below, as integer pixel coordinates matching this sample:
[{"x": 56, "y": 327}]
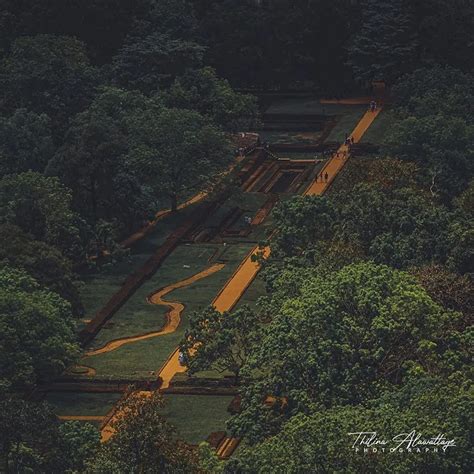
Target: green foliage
[
  {"x": 41, "y": 206},
  {"x": 220, "y": 341},
  {"x": 48, "y": 74},
  {"x": 43, "y": 262},
  {"x": 37, "y": 331},
  {"x": 79, "y": 443},
  {"x": 320, "y": 441},
  {"x": 399, "y": 227},
  {"x": 33, "y": 440},
  {"x": 302, "y": 221},
  {"x": 345, "y": 338},
  {"x": 92, "y": 164},
  {"x": 436, "y": 90},
  {"x": 177, "y": 152},
  {"x": 386, "y": 44},
  {"x": 450, "y": 290},
  {"x": 203, "y": 91},
  {"x": 440, "y": 145},
  {"x": 25, "y": 142},
  {"x": 143, "y": 441},
  {"x": 153, "y": 61}
]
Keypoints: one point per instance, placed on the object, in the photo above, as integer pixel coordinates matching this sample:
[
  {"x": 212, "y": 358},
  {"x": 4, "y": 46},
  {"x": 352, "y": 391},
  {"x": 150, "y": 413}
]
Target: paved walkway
[{"x": 339, "y": 159}]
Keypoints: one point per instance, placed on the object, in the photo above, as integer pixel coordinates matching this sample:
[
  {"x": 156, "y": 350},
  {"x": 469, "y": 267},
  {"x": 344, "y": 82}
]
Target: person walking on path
[{"x": 326, "y": 177}]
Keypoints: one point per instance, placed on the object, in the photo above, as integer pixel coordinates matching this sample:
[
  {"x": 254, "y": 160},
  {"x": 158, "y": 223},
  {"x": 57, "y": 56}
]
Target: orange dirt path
[
  {"x": 81, "y": 418},
  {"x": 335, "y": 164},
  {"x": 224, "y": 301},
  {"x": 173, "y": 315}
]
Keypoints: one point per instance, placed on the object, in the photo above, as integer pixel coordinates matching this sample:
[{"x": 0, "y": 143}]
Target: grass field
[
  {"x": 142, "y": 359},
  {"x": 137, "y": 316},
  {"x": 346, "y": 123},
  {"x": 196, "y": 416},
  {"x": 253, "y": 293},
  {"x": 83, "y": 404},
  {"x": 308, "y": 105},
  {"x": 99, "y": 287},
  {"x": 378, "y": 131},
  {"x": 295, "y": 137}
]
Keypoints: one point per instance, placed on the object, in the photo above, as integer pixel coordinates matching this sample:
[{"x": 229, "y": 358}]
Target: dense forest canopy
[{"x": 112, "y": 110}]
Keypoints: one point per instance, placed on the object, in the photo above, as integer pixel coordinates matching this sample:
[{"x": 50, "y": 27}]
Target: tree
[
  {"x": 302, "y": 221},
  {"x": 41, "y": 206},
  {"x": 43, "y": 262},
  {"x": 440, "y": 146},
  {"x": 33, "y": 440},
  {"x": 435, "y": 90},
  {"x": 320, "y": 442},
  {"x": 177, "y": 152},
  {"x": 153, "y": 61},
  {"x": 143, "y": 442},
  {"x": 79, "y": 443},
  {"x": 92, "y": 163},
  {"x": 38, "y": 339},
  {"x": 48, "y": 74},
  {"x": 220, "y": 341},
  {"x": 448, "y": 289},
  {"x": 386, "y": 45},
  {"x": 345, "y": 338},
  {"x": 203, "y": 91},
  {"x": 401, "y": 228},
  {"x": 25, "y": 142}
]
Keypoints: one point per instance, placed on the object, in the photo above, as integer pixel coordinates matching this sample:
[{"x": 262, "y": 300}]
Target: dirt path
[
  {"x": 81, "y": 418},
  {"x": 339, "y": 159},
  {"x": 173, "y": 314}
]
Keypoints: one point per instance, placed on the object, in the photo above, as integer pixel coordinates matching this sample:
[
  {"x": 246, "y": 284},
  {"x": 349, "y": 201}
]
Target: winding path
[{"x": 173, "y": 314}]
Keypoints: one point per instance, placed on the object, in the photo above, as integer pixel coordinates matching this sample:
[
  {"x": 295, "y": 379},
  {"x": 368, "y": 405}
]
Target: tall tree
[
  {"x": 48, "y": 74},
  {"x": 38, "y": 339},
  {"x": 220, "y": 341},
  {"x": 203, "y": 91},
  {"x": 177, "y": 152},
  {"x": 34, "y": 440},
  {"x": 143, "y": 442},
  {"x": 386, "y": 44},
  {"x": 43, "y": 262},
  {"x": 41, "y": 206},
  {"x": 26, "y": 142}
]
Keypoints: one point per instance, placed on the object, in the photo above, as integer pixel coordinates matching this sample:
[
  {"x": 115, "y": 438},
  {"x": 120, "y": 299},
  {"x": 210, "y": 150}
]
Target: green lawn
[
  {"x": 141, "y": 360},
  {"x": 346, "y": 123},
  {"x": 293, "y": 137},
  {"x": 196, "y": 416},
  {"x": 137, "y": 316},
  {"x": 253, "y": 293},
  {"x": 377, "y": 132},
  {"x": 99, "y": 287},
  {"x": 82, "y": 404},
  {"x": 308, "y": 105}
]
